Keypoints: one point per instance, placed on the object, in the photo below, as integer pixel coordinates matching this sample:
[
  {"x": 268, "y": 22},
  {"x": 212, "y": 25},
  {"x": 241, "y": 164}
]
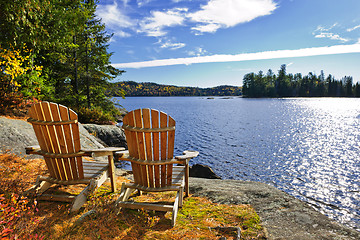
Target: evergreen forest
[
  {"x": 131, "y": 88},
  {"x": 55, "y": 50},
  {"x": 296, "y": 85}
]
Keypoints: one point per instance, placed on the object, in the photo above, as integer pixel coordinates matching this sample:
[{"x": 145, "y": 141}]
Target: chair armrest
[
  {"x": 188, "y": 154},
  {"x": 122, "y": 155},
  {"x": 101, "y": 151},
  {"x": 32, "y": 149}
]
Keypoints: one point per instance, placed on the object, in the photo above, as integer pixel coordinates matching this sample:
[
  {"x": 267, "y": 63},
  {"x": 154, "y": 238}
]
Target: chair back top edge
[{"x": 56, "y": 127}]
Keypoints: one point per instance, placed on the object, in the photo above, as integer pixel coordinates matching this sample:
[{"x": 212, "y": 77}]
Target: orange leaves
[
  {"x": 13, "y": 208},
  {"x": 17, "y": 213},
  {"x": 198, "y": 218}
]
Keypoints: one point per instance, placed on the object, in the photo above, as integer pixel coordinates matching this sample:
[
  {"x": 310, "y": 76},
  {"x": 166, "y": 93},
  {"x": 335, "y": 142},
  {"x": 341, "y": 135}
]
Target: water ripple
[{"x": 309, "y": 148}]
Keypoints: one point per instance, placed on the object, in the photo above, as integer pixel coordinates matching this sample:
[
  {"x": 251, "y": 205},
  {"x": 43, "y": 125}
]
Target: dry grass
[{"x": 23, "y": 218}]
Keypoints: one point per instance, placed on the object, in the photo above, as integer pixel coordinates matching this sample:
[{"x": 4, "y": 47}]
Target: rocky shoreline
[{"x": 283, "y": 216}]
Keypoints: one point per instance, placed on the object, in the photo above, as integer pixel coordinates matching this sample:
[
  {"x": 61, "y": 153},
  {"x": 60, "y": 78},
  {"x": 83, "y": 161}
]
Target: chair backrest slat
[
  {"x": 57, "y": 137},
  {"x": 42, "y": 136},
  {"x": 151, "y": 140},
  {"x": 76, "y": 141},
  {"x": 140, "y": 146},
  {"x": 171, "y": 141},
  {"x": 47, "y": 137},
  {"x": 163, "y": 147},
  {"x": 55, "y": 112},
  {"x": 64, "y": 114},
  {"x": 156, "y": 145},
  {"x": 48, "y": 108},
  {"x": 131, "y": 141},
  {"x": 148, "y": 146}
]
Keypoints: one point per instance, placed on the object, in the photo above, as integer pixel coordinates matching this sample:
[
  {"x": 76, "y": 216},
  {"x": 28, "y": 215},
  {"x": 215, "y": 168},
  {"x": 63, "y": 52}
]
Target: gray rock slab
[
  {"x": 111, "y": 135},
  {"x": 283, "y": 216},
  {"x": 15, "y": 135}
]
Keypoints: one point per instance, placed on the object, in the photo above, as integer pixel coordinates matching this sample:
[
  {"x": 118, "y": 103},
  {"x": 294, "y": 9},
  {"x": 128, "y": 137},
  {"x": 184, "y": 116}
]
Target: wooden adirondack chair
[
  {"x": 57, "y": 131},
  {"x": 150, "y": 136}
]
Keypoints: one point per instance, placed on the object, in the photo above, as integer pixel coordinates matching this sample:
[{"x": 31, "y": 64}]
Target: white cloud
[
  {"x": 323, "y": 32},
  {"x": 199, "y": 51},
  {"x": 212, "y": 16},
  {"x": 228, "y": 13},
  {"x": 352, "y": 29},
  {"x": 125, "y": 2},
  {"x": 331, "y": 36},
  {"x": 114, "y": 18},
  {"x": 141, "y": 3},
  {"x": 154, "y": 25},
  {"x": 209, "y": 28},
  {"x": 122, "y": 34},
  {"x": 304, "y": 52},
  {"x": 172, "y": 46}
]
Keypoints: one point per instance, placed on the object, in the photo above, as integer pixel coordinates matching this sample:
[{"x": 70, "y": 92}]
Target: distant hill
[{"x": 153, "y": 89}]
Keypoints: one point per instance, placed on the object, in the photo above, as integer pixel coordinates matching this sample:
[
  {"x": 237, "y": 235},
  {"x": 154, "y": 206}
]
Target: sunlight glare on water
[{"x": 307, "y": 147}]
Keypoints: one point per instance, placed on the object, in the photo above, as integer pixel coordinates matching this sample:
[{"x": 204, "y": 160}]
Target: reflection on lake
[{"x": 307, "y": 147}]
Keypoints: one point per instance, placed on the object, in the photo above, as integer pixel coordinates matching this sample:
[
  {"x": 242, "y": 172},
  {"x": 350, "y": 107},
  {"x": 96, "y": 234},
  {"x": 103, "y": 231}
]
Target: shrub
[{"x": 95, "y": 115}]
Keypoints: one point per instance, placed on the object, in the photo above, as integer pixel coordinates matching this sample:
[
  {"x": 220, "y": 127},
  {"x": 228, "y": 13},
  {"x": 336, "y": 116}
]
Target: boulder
[
  {"x": 202, "y": 171},
  {"x": 17, "y": 134},
  {"x": 112, "y": 136}
]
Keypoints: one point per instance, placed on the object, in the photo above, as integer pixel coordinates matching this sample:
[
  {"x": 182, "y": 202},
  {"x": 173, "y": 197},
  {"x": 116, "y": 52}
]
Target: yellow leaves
[
  {"x": 12, "y": 63},
  {"x": 16, "y": 62}
]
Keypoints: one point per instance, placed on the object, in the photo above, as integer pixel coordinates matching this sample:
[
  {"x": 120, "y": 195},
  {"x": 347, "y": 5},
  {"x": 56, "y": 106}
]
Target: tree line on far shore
[
  {"x": 132, "y": 88},
  {"x": 296, "y": 85}
]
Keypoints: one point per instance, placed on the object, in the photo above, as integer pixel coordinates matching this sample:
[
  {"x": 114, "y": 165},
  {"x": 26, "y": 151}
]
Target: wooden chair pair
[{"x": 150, "y": 137}]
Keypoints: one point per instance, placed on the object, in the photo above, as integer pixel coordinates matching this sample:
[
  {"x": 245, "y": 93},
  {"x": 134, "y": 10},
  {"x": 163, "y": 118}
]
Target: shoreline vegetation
[
  {"x": 270, "y": 85},
  {"x": 148, "y": 89}
]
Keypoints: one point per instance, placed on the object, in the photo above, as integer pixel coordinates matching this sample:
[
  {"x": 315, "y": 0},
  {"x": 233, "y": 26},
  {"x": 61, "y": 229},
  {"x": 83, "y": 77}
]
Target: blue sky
[{"x": 206, "y": 43}]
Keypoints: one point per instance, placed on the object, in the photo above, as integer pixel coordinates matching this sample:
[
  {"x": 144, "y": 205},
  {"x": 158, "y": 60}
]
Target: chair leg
[
  {"x": 112, "y": 172},
  {"x": 42, "y": 187},
  {"x": 181, "y": 197},
  {"x": 187, "y": 174},
  {"x": 175, "y": 209},
  {"x": 80, "y": 199},
  {"x": 122, "y": 192},
  {"x": 128, "y": 193},
  {"x": 38, "y": 186},
  {"x": 124, "y": 195}
]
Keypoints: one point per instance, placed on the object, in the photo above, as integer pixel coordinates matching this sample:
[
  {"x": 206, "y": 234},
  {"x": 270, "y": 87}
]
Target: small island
[{"x": 296, "y": 85}]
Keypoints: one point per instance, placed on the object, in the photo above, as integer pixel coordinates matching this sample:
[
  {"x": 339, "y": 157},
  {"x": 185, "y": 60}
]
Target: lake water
[{"x": 307, "y": 147}]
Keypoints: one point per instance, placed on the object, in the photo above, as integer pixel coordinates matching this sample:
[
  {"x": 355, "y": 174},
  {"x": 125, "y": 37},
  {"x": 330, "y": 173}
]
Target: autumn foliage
[
  {"x": 24, "y": 218},
  {"x": 20, "y": 79}
]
